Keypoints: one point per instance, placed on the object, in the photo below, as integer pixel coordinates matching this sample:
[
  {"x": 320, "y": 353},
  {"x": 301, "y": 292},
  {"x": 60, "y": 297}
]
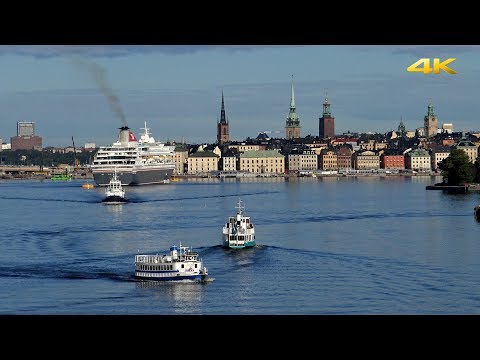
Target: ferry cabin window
[
  {"x": 183, "y": 266},
  {"x": 195, "y": 266}
]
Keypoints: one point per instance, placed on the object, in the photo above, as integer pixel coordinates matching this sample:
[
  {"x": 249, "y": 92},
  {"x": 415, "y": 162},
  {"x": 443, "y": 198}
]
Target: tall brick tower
[
  {"x": 223, "y": 135},
  {"x": 326, "y": 124}
]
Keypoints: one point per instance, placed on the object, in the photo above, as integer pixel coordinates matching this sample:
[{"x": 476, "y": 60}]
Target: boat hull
[
  {"x": 236, "y": 245},
  {"x": 171, "y": 276},
  {"x": 134, "y": 178},
  {"x": 114, "y": 200}
]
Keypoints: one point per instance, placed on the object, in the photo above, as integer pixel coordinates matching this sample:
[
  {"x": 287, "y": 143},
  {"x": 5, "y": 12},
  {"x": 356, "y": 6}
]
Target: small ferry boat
[
  {"x": 114, "y": 193},
  {"x": 476, "y": 212},
  {"x": 182, "y": 263},
  {"x": 238, "y": 232},
  {"x": 61, "y": 177}
]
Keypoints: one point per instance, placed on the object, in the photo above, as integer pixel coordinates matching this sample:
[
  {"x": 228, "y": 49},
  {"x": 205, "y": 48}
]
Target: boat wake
[
  {"x": 137, "y": 200},
  {"x": 53, "y": 200}
]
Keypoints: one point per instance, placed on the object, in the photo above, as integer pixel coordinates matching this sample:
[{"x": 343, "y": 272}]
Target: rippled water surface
[{"x": 324, "y": 246}]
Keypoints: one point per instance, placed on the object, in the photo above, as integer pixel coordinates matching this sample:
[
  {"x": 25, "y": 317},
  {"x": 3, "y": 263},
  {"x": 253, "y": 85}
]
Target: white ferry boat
[
  {"x": 182, "y": 263},
  {"x": 114, "y": 193},
  {"x": 238, "y": 232},
  {"x": 138, "y": 162}
]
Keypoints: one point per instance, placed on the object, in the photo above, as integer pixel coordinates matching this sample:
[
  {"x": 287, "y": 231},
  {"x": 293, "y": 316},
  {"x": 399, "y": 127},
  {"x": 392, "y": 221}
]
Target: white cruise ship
[{"x": 137, "y": 162}]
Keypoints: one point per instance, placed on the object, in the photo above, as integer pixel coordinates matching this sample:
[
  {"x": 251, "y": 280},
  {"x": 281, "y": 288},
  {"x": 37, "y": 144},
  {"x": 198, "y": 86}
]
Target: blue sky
[{"x": 177, "y": 89}]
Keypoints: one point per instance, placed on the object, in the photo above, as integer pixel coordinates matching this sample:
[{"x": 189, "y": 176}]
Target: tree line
[{"x": 43, "y": 158}]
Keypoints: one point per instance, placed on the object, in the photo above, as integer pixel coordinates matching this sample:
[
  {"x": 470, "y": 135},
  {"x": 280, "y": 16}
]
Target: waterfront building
[
  {"x": 223, "y": 131},
  {"x": 365, "y": 160},
  {"x": 180, "y": 157},
  {"x": 392, "y": 159},
  {"x": 344, "y": 157},
  {"x": 202, "y": 163},
  {"x": 302, "y": 159},
  {"x": 292, "y": 126},
  {"x": 418, "y": 160},
  {"x": 328, "y": 159},
  {"x": 228, "y": 161},
  {"x": 263, "y": 162},
  {"x": 326, "y": 124}
]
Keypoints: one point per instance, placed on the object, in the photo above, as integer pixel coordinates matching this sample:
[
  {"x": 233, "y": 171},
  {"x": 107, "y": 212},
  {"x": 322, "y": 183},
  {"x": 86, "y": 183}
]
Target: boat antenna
[{"x": 239, "y": 206}]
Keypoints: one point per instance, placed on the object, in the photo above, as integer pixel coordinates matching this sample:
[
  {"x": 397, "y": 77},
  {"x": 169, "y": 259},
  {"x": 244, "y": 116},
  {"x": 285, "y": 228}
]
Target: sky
[{"x": 88, "y": 92}]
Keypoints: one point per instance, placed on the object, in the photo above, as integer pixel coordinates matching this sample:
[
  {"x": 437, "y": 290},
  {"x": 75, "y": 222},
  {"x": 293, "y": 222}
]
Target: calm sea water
[{"x": 324, "y": 246}]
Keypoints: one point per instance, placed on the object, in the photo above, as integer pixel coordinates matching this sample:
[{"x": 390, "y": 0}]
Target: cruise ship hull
[{"x": 133, "y": 178}]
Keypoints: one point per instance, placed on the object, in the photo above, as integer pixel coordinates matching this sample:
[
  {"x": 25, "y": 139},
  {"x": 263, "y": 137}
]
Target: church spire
[
  {"x": 292, "y": 101},
  {"x": 223, "y": 133},
  {"x": 401, "y": 127},
  {"x": 223, "y": 118},
  {"x": 292, "y": 125}
]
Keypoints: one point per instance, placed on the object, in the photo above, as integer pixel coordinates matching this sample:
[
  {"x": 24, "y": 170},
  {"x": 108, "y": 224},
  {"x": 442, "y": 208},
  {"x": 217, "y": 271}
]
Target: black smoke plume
[{"x": 100, "y": 76}]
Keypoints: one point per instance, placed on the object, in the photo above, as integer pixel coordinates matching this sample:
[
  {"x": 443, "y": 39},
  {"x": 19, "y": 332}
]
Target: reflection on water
[
  {"x": 185, "y": 296},
  {"x": 115, "y": 209}
]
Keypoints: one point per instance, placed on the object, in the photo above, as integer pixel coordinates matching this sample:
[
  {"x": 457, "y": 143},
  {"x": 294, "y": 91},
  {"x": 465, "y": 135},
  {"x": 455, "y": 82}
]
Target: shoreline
[{"x": 176, "y": 178}]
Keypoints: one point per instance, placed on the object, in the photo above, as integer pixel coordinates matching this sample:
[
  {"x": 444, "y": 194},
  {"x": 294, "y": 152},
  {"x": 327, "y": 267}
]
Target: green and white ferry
[{"x": 238, "y": 232}]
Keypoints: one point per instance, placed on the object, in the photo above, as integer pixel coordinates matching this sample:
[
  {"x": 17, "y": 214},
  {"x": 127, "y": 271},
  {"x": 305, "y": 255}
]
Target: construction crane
[{"x": 75, "y": 155}]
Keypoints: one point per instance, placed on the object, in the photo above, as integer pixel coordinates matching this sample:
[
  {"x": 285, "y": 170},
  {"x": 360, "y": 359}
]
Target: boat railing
[{"x": 152, "y": 259}]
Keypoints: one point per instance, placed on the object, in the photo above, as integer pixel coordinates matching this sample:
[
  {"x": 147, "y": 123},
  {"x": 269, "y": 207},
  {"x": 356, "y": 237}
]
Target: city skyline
[{"x": 90, "y": 91}]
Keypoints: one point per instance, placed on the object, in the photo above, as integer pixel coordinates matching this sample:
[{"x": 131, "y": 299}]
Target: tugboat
[
  {"x": 476, "y": 212},
  {"x": 238, "y": 232},
  {"x": 182, "y": 263},
  {"x": 114, "y": 193}
]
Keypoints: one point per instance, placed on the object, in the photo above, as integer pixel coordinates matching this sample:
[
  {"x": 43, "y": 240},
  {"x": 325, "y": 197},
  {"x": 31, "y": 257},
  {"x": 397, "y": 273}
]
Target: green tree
[
  {"x": 477, "y": 169},
  {"x": 457, "y": 168}
]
